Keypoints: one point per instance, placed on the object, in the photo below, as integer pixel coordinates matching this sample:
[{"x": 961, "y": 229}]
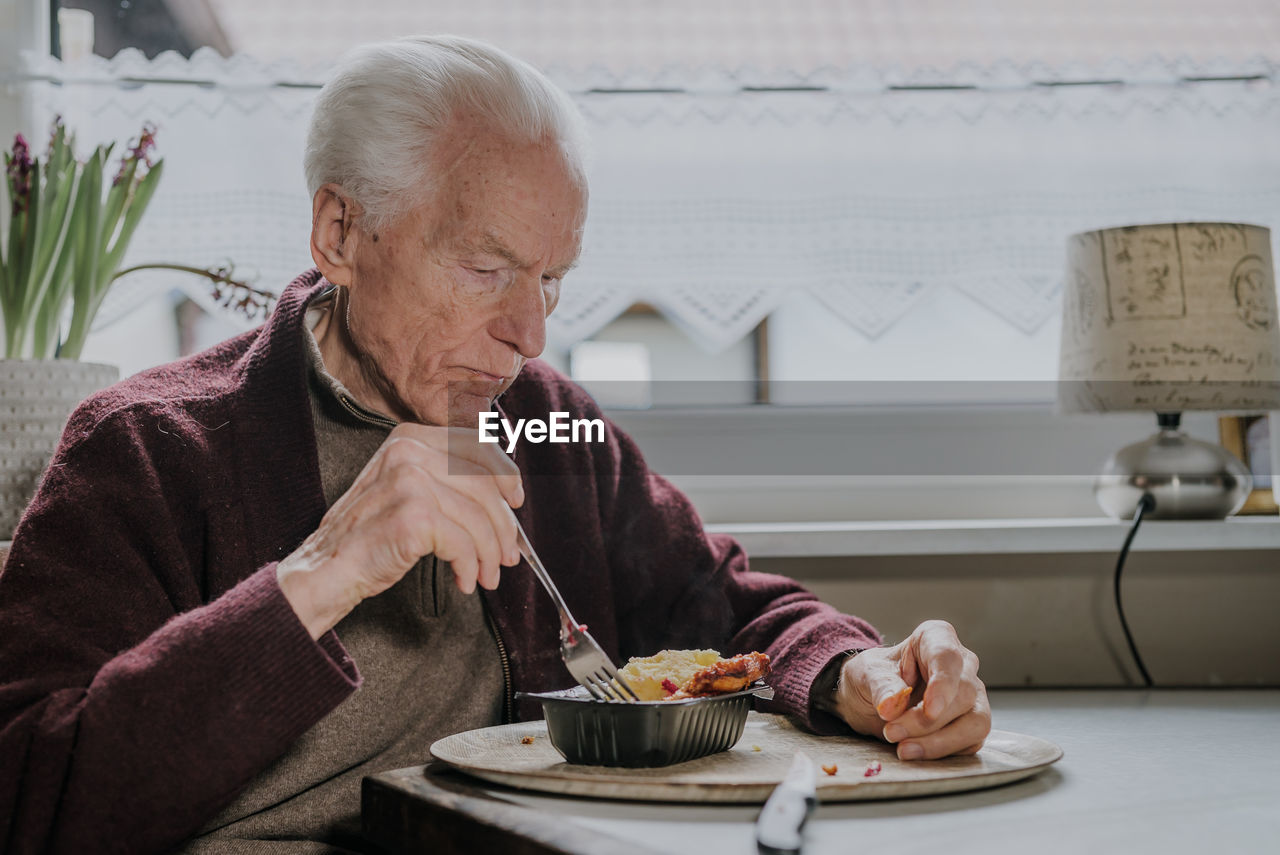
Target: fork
[{"x": 585, "y": 659}]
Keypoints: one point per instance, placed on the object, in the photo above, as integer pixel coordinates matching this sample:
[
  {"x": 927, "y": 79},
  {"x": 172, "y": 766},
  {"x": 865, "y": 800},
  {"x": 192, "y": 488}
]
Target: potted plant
[{"x": 69, "y": 226}]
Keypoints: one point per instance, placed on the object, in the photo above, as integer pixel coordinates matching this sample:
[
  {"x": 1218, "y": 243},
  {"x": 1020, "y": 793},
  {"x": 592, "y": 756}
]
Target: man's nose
[{"x": 524, "y": 317}]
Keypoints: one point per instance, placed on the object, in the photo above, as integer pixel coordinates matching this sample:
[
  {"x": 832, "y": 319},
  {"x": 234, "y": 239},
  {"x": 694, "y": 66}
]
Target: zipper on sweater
[
  {"x": 508, "y": 699},
  {"x": 364, "y": 415}
]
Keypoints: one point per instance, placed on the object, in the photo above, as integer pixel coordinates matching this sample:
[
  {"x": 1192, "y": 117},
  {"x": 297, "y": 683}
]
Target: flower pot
[{"x": 36, "y": 397}]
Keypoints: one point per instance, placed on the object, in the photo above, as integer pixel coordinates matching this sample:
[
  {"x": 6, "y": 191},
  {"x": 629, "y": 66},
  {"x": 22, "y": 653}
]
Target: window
[
  {"x": 809, "y": 203},
  {"x": 890, "y": 186}
]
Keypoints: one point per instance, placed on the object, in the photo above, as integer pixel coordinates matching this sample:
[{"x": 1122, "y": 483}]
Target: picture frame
[{"x": 1233, "y": 433}]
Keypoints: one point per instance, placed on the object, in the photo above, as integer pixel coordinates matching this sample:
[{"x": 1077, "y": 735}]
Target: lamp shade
[{"x": 1170, "y": 317}]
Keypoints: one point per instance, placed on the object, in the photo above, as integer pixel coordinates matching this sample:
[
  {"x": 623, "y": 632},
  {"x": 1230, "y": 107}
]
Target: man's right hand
[{"x": 427, "y": 490}]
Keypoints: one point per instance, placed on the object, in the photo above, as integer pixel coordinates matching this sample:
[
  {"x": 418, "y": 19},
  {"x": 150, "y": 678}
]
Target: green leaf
[
  {"x": 91, "y": 255},
  {"x": 51, "y": 234},
  {"x": 15, "y": 274},
  {"x": 133, "y": 215},
  {"x": 60, "y": 153},
  {"x": 27, "y": 227},
  {"x": 89, "y": 298},
  {"x": 5, "y": 272},
  {"x": 53, "y": 306},
  {"x": 17, "y": 320},
  {"x": 117, "y": 196},
  {"x": 88, "y": 245}
]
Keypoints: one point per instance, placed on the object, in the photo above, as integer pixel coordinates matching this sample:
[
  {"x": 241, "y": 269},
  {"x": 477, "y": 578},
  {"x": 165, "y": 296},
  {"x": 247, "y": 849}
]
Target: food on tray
[
  {"x": 727, "y": 675},
  {"x": 648, "y": 674},
  {"x": 680, "y": 674},
  {"x": 526, "y": 740},
  {"x": 832, "y": 769},
  {"x": 873, "y": 769}
]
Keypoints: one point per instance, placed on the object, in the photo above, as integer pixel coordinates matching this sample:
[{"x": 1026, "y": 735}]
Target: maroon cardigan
[{"x": 150, "y": 666}]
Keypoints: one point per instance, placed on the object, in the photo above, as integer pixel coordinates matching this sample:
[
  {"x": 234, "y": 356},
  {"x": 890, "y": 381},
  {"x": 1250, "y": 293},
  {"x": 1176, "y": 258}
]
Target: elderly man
[{"x": 249, "y": 578}]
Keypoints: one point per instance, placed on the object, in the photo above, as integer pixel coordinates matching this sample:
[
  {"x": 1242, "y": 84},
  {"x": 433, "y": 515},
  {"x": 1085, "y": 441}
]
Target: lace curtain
[{"x": 863, "y": 187}]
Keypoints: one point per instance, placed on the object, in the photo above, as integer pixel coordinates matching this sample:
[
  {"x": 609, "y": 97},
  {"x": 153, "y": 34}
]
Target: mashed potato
[{"x": 646, "y": 673}]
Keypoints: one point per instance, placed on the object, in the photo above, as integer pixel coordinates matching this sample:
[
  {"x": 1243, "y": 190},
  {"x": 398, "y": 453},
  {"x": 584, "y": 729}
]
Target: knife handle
[{"x": 781, "y": 823}]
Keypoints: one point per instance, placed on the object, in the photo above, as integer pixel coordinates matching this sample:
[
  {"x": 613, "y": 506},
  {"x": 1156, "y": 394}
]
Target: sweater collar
[
  {"x": 327, "y": 386},
  {"x": 283, "y": 503}
]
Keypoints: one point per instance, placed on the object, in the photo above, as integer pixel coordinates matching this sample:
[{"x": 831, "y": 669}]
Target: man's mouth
[{"x": 485, "y": 376}]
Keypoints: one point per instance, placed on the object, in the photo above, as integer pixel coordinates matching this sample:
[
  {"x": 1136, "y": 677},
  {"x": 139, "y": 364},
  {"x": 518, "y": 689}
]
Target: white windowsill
[
  {"x": 989, "y": 536},
  {"x": 995, "y": 536}
]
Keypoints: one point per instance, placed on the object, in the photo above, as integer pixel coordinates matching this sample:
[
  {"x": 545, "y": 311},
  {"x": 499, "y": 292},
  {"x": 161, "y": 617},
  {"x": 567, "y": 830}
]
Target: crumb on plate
[
  {"x": 526, "y": 740},
  {"x": 873, "y": 769},
  {"x": 832, "y": 769}
]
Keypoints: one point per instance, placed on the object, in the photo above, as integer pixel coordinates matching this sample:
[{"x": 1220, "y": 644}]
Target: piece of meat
[{"x": 725, "y": 676}]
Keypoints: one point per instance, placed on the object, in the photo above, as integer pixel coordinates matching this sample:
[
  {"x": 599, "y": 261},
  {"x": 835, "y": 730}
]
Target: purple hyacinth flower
[{"x": 18, "y": 171}]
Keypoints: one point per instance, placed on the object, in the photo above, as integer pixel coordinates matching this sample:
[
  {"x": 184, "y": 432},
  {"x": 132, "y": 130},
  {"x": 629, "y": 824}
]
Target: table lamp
[{"x": 1169, "y": 318}]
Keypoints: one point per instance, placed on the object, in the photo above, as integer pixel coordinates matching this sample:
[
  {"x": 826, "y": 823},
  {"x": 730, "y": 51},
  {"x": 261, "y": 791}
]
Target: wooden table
[{"x": 1168, "y": 771}]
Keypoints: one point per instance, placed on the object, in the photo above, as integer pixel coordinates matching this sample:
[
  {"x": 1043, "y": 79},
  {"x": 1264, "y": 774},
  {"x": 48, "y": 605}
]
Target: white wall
[
  {"x": 145, "y": 337},
  {"x": 1199, "y": 618},
  {"x": 946, "y": 338}
]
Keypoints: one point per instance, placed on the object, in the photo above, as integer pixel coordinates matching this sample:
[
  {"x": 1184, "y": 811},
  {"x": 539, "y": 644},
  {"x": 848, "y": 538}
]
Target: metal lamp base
[{"x": 1188, "y": 478}]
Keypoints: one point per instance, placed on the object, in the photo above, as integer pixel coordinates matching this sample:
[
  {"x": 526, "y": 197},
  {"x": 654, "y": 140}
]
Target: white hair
[{"x": 377, "y": 118}]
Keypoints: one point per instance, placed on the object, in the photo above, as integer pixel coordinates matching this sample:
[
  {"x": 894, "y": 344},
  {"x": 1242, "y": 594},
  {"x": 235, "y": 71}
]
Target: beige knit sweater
[{"x": 430, "y": 667}]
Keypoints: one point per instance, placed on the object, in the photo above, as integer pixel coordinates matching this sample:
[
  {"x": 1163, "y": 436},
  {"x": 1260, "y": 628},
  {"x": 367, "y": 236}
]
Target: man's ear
[{"x": 333, "y": 234}]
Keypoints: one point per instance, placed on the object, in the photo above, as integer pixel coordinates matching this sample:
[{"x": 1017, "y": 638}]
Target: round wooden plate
[{"x": 746, "y": 773}]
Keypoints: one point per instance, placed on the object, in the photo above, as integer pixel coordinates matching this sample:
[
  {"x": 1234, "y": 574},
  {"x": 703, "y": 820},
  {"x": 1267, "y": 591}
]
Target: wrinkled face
[{"x": 448, "y": 303}]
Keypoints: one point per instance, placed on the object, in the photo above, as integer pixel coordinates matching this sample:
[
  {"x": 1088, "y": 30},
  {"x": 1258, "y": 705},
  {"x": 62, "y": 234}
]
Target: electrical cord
[{"x": 1145, "y": 505}]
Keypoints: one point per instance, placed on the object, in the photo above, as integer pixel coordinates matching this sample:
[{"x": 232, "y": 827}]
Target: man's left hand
[{"x": 922, "y": 694}]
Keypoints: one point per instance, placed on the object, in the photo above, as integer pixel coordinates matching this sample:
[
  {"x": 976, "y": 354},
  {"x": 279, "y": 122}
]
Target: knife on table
[{"x": 779, "y": 828}]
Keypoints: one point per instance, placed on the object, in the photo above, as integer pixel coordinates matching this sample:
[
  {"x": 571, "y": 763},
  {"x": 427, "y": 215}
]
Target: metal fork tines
[{"x": 585, "y": 659}]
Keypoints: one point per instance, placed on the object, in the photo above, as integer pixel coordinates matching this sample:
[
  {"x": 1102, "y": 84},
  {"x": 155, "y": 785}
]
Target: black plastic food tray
[{"x": 649, "y": 733}]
